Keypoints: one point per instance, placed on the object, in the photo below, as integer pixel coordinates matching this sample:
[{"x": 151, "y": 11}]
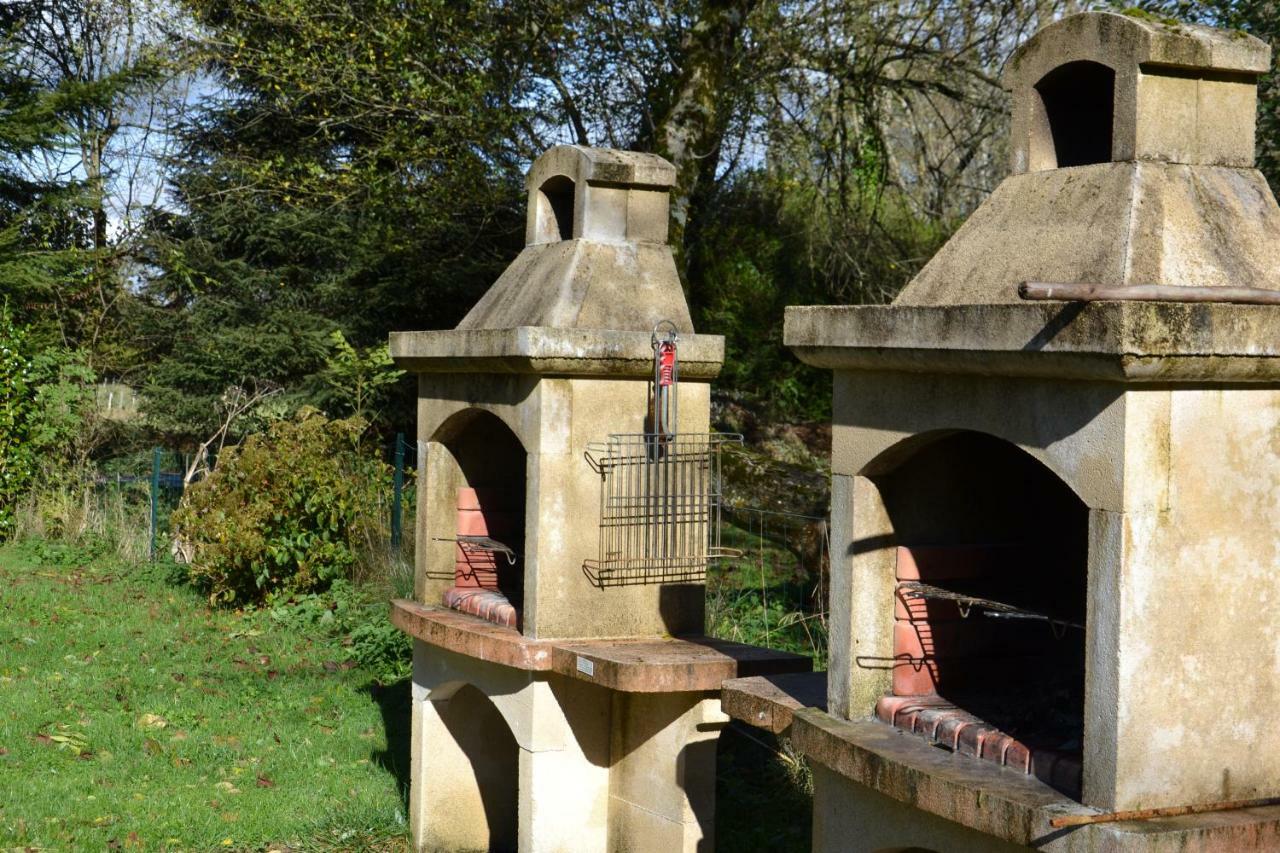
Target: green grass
[
  {"x": 134, "y": 716},
  {"x": 765, "y": 597}
]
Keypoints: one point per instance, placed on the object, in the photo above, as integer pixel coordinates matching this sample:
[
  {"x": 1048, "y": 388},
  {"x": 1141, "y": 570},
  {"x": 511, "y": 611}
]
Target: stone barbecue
[
  {"x": 1055, "y": 596},
  {"x": 564, "y": 697}
]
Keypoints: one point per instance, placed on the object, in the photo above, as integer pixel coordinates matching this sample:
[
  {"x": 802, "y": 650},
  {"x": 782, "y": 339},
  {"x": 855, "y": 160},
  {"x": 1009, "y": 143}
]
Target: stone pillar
[
  {"x": 654, "y": 734},
  {"x": 457, "y": 802},
  {"x": 505, "y": 759}
]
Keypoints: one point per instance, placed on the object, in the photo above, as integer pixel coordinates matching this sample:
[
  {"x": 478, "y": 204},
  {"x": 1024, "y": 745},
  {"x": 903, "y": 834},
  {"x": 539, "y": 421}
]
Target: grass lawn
[{"x": 134, "y": 716}]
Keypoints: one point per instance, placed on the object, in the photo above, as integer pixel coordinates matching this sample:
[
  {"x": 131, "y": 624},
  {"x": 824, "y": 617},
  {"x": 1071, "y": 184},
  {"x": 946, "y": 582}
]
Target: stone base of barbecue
[
  {"x": 878, "y": 788},
  {"x": 529, "y": 745}
]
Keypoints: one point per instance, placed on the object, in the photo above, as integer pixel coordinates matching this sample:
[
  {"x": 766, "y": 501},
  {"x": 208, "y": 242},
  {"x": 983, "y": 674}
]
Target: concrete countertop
[
  {"x": 1002, "y": 802},
  {"x": 629, "y": 665},
  {"x": 769, "y": 702},
  {"x": 550, "y": 351},
  {"x": 1117, "y": 341}
]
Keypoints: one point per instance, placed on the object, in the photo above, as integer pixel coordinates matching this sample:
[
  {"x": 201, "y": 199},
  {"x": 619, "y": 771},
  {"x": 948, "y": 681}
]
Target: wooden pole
[
  {"x": 1171, "y": 811},
  {"x": 1039, "y": 291}
]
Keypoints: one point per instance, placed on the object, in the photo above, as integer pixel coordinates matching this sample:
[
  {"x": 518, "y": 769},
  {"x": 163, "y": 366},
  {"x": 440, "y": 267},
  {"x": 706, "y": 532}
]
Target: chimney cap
[
  {"x": 1125, "y": 41},
  {"x": 1103, "y": 87},
  {"x": 581, "y": 164}
]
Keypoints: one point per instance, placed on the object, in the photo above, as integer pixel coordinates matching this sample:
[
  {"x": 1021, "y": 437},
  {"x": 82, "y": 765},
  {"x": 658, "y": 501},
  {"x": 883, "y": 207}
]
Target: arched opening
[
  {"x": 1079, "y": 108},
  {"x": 990, "y": 602},
  {"x": 555, "y": 209},
  {"x": 482, "y": 765},
  {"x": 488, "y": 579}
]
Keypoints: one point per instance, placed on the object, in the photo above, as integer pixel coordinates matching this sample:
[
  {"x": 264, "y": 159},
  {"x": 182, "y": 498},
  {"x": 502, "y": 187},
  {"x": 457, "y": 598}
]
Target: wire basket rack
[{"x": 660, "y": 498}]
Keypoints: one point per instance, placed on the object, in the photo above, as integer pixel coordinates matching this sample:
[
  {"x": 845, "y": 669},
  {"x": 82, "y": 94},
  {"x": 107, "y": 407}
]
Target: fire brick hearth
[{"x": 1053, "y": 474}]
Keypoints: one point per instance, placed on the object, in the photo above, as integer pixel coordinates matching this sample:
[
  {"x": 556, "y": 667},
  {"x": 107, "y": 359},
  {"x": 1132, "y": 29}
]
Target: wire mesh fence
[{"x": 774, "y": 592}]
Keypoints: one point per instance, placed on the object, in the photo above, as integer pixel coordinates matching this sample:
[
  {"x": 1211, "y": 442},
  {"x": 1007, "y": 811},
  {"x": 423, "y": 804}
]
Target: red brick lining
[{"x": 488, "y": 604}]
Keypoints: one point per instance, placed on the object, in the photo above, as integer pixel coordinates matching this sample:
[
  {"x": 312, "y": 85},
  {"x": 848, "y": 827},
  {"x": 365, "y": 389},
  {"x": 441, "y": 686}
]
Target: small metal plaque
[{"x": 586, "y": 667}]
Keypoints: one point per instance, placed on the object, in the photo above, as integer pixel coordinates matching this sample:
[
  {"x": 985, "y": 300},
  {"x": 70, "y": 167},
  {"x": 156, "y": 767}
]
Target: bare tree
[{"x": 236, "y": 402}]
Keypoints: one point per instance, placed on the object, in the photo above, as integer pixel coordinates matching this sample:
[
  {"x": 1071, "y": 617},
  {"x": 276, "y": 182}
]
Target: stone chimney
[{"x": 1132, "y": 149}]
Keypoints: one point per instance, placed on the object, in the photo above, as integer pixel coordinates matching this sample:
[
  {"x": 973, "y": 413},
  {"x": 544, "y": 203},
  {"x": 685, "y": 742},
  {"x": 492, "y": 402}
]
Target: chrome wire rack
[{"x": 660, "y": 498}]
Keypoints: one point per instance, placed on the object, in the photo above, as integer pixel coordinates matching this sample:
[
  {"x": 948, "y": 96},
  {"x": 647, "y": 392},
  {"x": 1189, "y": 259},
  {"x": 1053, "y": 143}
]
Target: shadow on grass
[
  {"x": 395, "y": 704},
  {"x": 764, "y": 799}
]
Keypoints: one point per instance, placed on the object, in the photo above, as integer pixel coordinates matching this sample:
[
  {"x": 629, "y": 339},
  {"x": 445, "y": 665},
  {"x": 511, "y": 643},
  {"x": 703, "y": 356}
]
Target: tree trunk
[{"x": 690, "y": 132}]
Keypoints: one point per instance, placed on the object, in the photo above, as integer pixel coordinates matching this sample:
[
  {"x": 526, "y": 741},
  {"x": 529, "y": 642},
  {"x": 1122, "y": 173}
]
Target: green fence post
[
  {"x": 155, "y": 500},
  {"x": 397, "y": 491}
]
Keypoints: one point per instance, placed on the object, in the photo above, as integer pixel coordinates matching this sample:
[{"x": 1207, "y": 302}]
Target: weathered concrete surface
[
  {"x": 627, "y": 665},
  {"x": 596, "y": 253},
  {"x": 1113, "y": 341},
  {"x": 549, "y": 351},
  {"x": 554, "y": 420},
  {"x": 1110, "y": 224},
  {"x": 582, "y": 767},
  {"x": 669, "y": 665},
  {"x": 519, "y": 741},
  {"x": 654, "y": 734},
  {"x": 1181, "y": 492},
  {"x": 1198, "y": 598},
  {"x": 1183, "y": 93},
  {"x": 470, "y": 636},
  {"x": 585, "y": 284},
  {"x": 878, "y": 788},
  {"x": 769, "y": 701}
]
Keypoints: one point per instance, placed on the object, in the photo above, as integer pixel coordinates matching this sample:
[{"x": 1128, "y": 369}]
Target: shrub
[
  {"x": 280, "y": 514},
  {"x": 17, "y": 411}
]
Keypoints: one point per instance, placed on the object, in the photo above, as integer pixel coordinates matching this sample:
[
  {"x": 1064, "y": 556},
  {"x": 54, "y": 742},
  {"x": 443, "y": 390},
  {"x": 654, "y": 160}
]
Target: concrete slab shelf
[
  {"x": 1004, "y": 803},
  {"x": 658, "y": 665},
  {"x": 470, "y": 635},
  {"x": 1116, "y": 341},
  {"x": 669, "y": 665},
  {"x": 769, "y": 702},
  {"x": 545, "y": 350}
]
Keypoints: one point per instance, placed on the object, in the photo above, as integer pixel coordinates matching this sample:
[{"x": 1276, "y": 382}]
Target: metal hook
[{"x": 672, "y": 334}]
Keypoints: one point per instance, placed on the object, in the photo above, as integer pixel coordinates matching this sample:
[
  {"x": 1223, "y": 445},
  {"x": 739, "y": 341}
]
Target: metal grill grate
[{"x": 660, "y": 501}]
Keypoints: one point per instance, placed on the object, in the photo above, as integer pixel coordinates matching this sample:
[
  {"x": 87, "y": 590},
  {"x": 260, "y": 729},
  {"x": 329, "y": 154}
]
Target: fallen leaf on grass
[
  {"x": 153, "y": 747},
  {"x": 264, "y": 782},
  {"x": 3, "y": 751},
  {"x": 152, "y": 721},
  {"x": 228, "y": 787}
]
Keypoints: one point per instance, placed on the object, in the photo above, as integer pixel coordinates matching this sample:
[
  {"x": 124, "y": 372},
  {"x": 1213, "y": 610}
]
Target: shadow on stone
[{"x": 394, "y": 702}]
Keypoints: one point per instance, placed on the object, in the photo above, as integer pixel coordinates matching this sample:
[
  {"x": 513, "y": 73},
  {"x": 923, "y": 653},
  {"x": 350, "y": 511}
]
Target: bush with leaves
[
  {"x": 280, "y": 513},
  {"x": 17, "y": 413}
]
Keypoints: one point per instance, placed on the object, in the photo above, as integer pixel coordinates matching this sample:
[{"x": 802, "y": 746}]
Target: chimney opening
[
  {"x": 555, "y": 209},
  {"x": 1079, "y": 107}
]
